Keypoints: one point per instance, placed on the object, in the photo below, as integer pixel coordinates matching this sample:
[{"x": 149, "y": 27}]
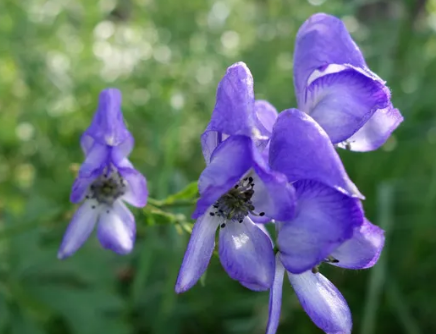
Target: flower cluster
[
  {"x": 261, "y": 167},
  {"x": 264, "y": 167},
  {"x": 106, "y": 179}
]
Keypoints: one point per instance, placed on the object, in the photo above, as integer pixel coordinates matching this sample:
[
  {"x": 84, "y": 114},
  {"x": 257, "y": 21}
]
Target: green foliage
[{"x": 167, "y": 58}]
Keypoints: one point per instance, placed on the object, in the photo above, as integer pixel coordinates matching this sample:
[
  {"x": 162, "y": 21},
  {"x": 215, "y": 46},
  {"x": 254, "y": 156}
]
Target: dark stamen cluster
[
  {"x": 328, "y": 259},
  {"x": 331, "y": 259},
  {"x": 236, "y": 204},
  {"x": 109, "y": 186}
]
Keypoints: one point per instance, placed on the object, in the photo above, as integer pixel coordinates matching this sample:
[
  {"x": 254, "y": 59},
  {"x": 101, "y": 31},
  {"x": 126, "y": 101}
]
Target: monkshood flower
[
  {"x": 328, "y": 225},
  {"x": 334, "y": 85},
  {"x": 236, "y": 186},
  {"x": 105, "y": 180}
]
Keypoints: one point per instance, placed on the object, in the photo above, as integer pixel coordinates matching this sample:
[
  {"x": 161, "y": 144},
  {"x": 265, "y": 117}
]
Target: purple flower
[
  {"x": 328, "y": 225},
  {"x": 334, "y": 85},
  {"x": 106, "y": 179},
  {"x": 236, "y": 187}
]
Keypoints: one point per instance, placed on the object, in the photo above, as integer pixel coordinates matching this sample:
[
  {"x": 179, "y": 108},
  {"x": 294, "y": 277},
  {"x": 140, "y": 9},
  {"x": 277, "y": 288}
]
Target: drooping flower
[
  {"x": 105, "y": 181},
  {"x": 334, "y": 85},
  {"x": 236, "y": 187},
  {"x": 328, "y": 225}
]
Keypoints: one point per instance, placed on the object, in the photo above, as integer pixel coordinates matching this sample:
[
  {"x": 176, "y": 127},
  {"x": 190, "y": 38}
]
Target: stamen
[
  {"x": 223, "y": 225},
  {"x": 315, "y": 270},
  {"x": 236, "y": 204},
  {"x": 108, "y": 187},
  {"x": 331, "y": 259}
]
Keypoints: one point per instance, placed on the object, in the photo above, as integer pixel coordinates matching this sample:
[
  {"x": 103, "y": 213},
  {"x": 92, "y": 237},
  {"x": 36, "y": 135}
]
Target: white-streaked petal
[
  {"x": 116, "y": 228},
  {"x": 275, "y": 298},
  {"x": 199, "y": 251},
  {"x": 79, "y": 229},
  {"x": 246, "y": 254},
  {"x": 323, "y": 302}
]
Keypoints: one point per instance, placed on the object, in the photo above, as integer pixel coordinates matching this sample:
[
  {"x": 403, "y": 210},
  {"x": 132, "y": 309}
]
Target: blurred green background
[{"x": 167, "y": 57}]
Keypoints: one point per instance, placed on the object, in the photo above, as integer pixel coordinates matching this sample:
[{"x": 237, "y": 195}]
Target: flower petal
[
  {"x": 234, "y": 109},
  {"x": 375, "y": 132},
  {"x": 362, "y": 250},
  {"x": 116, "y": 228},
  {"x": 107, "y": 126},
  {"x": 266, "y": 115},
  {"x": 275, "y": 298},
  {"x": 229, "y": 162},
  {"x": 136, "y": 193},
  {"x": 273, "y": 195},
  {"x": 122, "y": 151},
  {"x": 301, "y": 149},
  {"x": 199, "y": 251},
  {"x": 92, "y": 167},
  {"x": 247, "y": 255},
  {"x": 343, "y": 102},
  {"x": 79, "y": 229},
  {"x": 322, "y": 40},
  {"x": 323, "y": 302},
  {"x": 86, "y": 143},
  {"x": 210, "y": 140},
  {"x": 324, "y": 219}
]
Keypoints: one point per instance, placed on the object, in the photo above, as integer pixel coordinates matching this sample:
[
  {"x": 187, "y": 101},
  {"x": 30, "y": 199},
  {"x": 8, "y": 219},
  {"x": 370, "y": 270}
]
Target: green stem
[{"x": 172, "y": 204}]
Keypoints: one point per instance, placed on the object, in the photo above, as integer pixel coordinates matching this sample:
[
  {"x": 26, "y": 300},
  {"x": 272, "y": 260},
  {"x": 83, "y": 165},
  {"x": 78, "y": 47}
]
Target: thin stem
[{"x": 172, "y": 204}]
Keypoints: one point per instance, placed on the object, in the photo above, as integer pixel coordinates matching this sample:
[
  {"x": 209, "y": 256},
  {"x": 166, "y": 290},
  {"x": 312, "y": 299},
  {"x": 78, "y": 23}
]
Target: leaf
[
  {"x": 189, "y": 192},
  {"x": 87, "y": 311}
]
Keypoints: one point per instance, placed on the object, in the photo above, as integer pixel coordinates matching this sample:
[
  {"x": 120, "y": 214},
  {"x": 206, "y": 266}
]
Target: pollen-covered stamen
[
  {"x": 109, "y": 186},
  {"x": 331, "y": 259},
  {"x": 236, "y": 204}
]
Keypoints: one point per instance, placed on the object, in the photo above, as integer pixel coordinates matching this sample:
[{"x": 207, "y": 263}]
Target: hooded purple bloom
[
  {"x": 236, "y": 187},
  {"x": 106, "y": 179},
  {"x": 328, "y": 225},
  {"x": 334, "y": 85}
]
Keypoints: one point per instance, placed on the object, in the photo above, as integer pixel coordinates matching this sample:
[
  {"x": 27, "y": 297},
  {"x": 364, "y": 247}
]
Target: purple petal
[
  {"x": 246, "y": 254},
  {"x": 323, "y": 303},
  {"x": 362, "y": 250},
  {"x": 136, "y": 192},
  {"x": 229, "y": 162},
  {"x": 79, "y": 229},
  {"x": 108, "y": 126},
  {"x": 92, "y": 167},
  {"x": 234, "y": 109},
  {"x": 301, "y": 149},
  {"x": 375, "y": 132},
  {"x": 122, "y": 151},
  {"x": 322, "y": 40},
  {"x": 209, "y": 142},
  {"x": 116, "y": 228},
  {"x": 324, "y": 219},
  {"x": 266, "y": 115},
  {"x": 275, "y": 298},
  {"x": 273, "y": 195},
  {"x": 86, "y": 143},
  {"x": 199, "y": 251},
  {"x": 343, "y": 102}
]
